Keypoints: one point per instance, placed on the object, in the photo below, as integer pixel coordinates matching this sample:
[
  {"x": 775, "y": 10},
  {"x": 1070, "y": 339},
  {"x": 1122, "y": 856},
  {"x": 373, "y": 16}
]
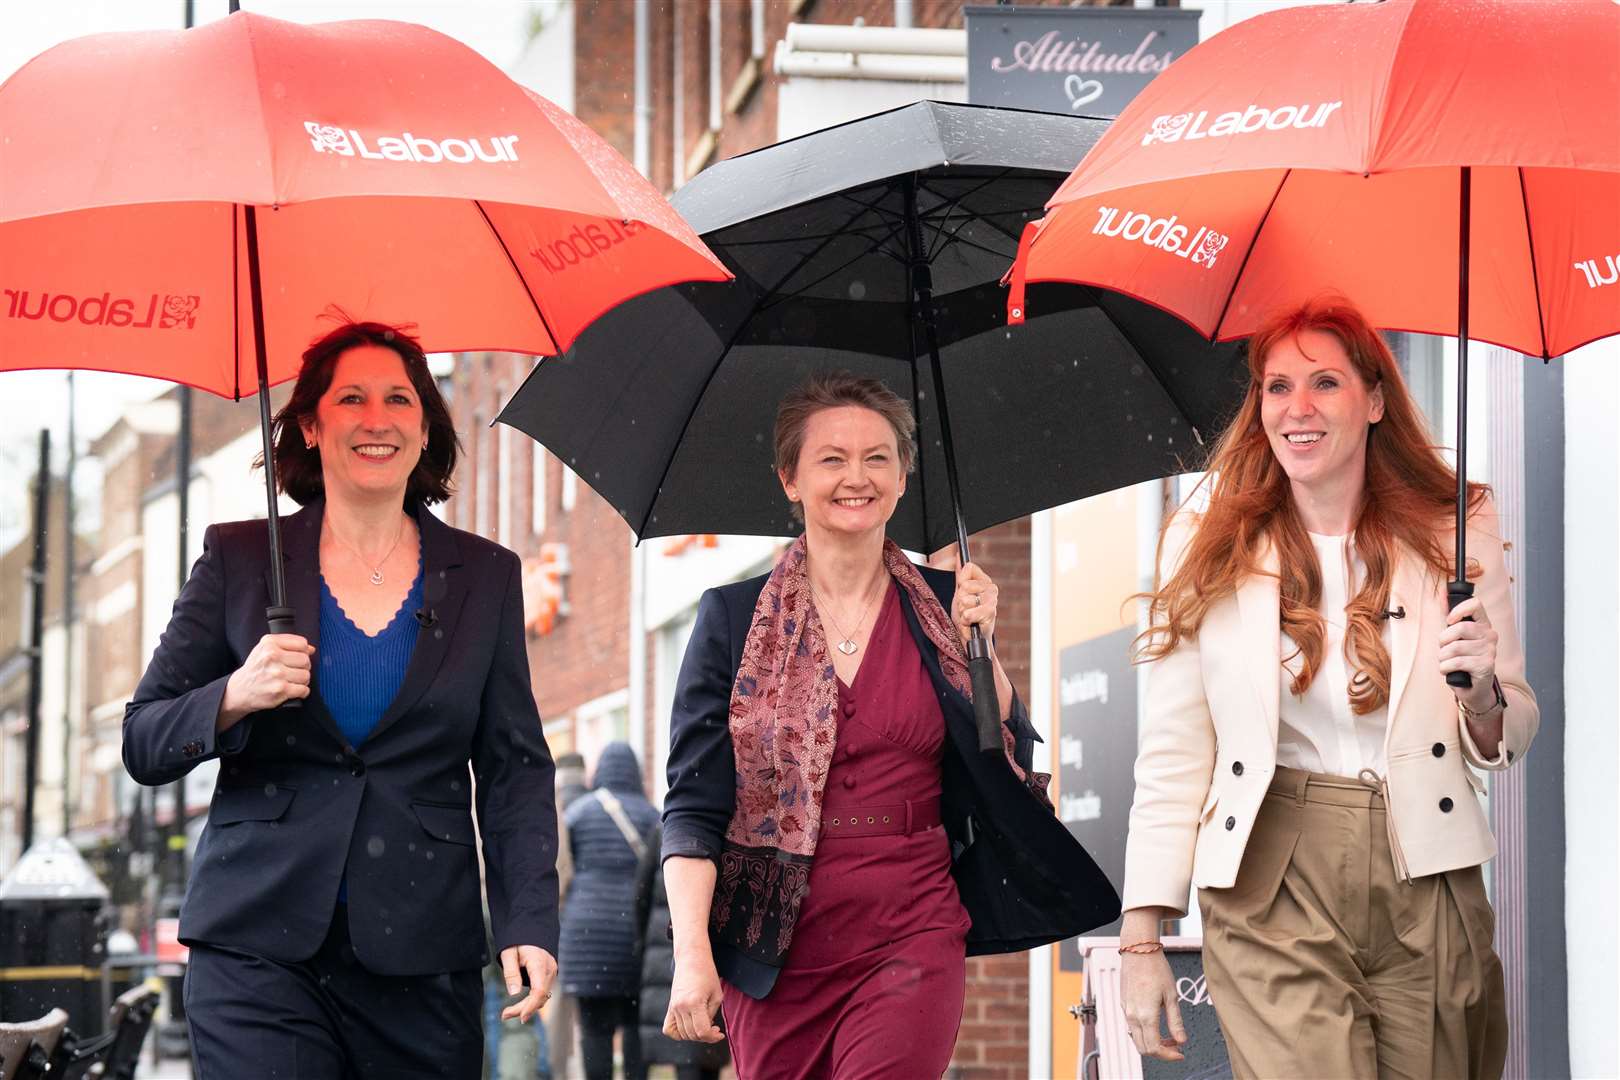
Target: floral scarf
[{"x": 784, "y": 728}]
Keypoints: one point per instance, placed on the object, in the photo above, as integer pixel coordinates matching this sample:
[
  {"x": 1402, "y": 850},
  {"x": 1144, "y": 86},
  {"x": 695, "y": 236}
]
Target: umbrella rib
[
  {"x": 774, "y": 240},
  {"x": 876, "y": 248},
  {"x": 499, "y": 239},
  {"x": 713, "y": 371},
  {"x": 1535, "y": 275},
  {"x": 951, "y": 204},
  {"x": 1215, "y": 331},
  {"x": 955, "y": 239}
]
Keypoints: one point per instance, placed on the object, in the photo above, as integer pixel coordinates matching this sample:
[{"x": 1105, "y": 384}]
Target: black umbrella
[{"x": 877, "y": 247}]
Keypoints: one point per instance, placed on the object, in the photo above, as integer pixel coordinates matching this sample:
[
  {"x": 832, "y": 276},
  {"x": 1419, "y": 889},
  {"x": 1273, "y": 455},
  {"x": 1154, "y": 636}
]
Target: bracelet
[
  {"x": 1499, "y": 703},
  {"x": 1143, "y": 948}
]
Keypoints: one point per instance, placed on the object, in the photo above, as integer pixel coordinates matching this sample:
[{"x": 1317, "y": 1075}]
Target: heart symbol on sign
[{"x": 1081, "y": 91}]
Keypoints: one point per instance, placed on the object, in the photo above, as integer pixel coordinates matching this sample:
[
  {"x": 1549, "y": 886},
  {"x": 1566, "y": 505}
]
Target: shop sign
[{"x": 1086, "y": 61}]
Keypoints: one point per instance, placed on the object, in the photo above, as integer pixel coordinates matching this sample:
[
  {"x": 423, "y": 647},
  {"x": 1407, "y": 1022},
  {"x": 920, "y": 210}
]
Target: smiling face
[
  {"x": 368, "y": 426},
  {"x": 1315, "y": 409},
  {"x": 848, "y": 478}
]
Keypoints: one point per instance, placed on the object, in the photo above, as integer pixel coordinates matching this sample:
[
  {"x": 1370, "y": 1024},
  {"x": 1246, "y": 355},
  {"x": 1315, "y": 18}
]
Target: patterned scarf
[{"x": 784, "y": 728}]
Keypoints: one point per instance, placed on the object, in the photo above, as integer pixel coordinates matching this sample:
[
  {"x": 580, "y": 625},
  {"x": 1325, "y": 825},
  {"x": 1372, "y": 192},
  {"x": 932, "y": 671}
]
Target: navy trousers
[{"x": 328, "y": 1018}]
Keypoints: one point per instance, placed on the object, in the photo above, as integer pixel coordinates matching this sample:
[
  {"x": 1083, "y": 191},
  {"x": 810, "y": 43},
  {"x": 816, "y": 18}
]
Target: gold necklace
[
  {"x": 847, "y": 644},
  {"x": 376, "y": 571}
]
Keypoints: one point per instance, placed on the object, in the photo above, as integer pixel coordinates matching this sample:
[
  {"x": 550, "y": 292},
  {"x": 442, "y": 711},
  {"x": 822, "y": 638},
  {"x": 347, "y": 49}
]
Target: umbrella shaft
[
  {"x": 1464, "y": 213},
  {"x": 278, "y": 579},
  {"x": 922, "y": 287}
]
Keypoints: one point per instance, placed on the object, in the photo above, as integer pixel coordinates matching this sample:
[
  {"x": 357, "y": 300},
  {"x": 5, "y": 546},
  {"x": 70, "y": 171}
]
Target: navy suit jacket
[
  {"x": 296, "y": 808},
  {"x": 1023, "y": 878}
]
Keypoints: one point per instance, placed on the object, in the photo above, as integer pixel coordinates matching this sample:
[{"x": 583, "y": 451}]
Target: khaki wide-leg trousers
[{"x": 1321, "y": 964}]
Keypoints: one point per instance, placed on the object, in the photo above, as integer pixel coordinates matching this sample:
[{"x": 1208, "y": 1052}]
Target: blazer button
[
  {"x": 1231, "y": 823},
  {"x": 849, "y": 781},
  {"x": 849, "y": 708},
  {"x": 1439, "y": 749},
  {"x": 1445, "y": 805},
  {"x": 1237, "y": 768}
]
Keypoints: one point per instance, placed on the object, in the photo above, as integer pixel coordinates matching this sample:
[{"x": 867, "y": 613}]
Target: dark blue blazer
[
  {"x": 1022, "y": 876},
  {"x": 296, "y": 808}
]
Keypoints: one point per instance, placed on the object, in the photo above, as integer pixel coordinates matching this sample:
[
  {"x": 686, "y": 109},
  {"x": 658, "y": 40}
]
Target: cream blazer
[{"x": 1208, "y": 748}]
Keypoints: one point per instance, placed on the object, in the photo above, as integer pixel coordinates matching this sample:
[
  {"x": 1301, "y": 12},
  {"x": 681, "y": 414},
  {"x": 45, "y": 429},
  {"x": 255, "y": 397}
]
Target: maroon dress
[{"x": 873, "y": 981}]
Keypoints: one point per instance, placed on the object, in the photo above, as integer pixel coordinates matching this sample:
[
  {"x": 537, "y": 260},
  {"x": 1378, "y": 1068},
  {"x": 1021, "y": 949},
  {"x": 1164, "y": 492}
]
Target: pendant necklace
[
  {"x": 376, "y": 571},
  {"x": 846, "y": 644}
]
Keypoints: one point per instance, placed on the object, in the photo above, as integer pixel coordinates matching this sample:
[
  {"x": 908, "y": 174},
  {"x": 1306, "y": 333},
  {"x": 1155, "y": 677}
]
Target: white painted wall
[
  {"x": 547, "y": 65},
  {"x": 1591, "y": 689},
  {"x": 807, "y": 103}
]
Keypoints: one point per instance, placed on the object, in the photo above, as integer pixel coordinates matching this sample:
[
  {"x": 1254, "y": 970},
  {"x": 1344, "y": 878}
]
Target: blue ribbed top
[{"x": 360, "y": 674}]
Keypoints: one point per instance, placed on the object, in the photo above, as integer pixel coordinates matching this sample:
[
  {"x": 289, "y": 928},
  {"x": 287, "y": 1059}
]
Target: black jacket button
[
  {"x": 1237, "y": 768},
  {"x": 1439, "y": 749},
  {"x": 1445, "y": 805},
  {"x": 1231, "y": 823}
]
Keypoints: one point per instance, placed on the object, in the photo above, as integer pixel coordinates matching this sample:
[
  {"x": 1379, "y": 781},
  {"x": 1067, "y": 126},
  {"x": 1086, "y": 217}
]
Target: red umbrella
[
  {"x": 1453, "y": 167},
  {"x": 187, "y": 204}
]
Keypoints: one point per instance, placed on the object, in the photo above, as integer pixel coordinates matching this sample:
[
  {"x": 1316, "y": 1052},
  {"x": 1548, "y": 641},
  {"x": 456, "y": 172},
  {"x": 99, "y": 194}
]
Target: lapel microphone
[
  {"x": 1398, "y": 613},
  {"x": 426, "y": 618}
]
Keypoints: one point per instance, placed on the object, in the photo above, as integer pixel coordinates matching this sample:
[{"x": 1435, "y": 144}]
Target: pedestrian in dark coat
[
  {"x": 692, "y": 1060},
  {"x": 608, "y": 832},
  {"x": 559, "y": 1014}
]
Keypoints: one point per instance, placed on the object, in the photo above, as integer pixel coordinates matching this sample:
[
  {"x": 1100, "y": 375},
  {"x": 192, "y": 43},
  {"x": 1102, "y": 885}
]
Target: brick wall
[{"x": 586, "y": 654}]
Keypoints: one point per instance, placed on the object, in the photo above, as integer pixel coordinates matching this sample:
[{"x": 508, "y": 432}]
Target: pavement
[{"x": 167, "y": 1069}]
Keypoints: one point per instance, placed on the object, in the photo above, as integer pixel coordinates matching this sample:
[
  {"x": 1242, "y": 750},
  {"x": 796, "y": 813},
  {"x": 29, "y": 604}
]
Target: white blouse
[{"x": 1318, "y": 732}]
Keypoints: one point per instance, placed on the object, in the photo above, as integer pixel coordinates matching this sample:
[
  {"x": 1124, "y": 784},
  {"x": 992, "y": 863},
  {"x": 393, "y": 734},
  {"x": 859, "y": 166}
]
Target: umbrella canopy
[
  {"x": 666, "y": 406},
  {"x": 396, "y": 173},
  {"x": 1453, "y": 168},
  {"x": 403, "y": 179},
  {"x": 1324, "y": 147}
]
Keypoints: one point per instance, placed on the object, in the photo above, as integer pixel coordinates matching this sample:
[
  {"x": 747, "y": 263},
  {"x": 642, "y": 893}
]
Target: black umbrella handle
[
  {"x": 986, "y": 705},
  {"x": 1456, "y": 593}
]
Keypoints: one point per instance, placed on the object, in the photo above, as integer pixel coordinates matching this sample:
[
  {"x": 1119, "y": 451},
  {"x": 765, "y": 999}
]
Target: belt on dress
[{"x": 887, "y": 819}]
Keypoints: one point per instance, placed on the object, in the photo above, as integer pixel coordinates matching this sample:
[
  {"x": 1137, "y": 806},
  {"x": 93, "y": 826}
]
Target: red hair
[{"x": 1407, "y": 502}]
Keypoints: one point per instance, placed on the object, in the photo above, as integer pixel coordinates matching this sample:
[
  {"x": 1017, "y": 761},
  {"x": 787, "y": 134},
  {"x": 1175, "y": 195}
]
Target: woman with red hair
[{"x": 1303, "y": 760}]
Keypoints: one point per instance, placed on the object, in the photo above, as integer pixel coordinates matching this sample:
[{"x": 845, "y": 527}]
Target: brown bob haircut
[
  {"x": 836, "y": 390},
  {"x": 298, "y": 467}
]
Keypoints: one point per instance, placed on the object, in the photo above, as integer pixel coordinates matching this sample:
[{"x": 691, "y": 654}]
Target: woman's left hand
[
  {"x": 541, "y": 969},
  {"x": 1471, "y": 647},
  {"x": 975, "y": 602}
]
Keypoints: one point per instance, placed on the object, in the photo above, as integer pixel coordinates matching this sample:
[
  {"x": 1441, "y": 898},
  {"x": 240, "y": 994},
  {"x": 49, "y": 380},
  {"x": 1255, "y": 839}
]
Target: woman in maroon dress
[{"x": 808, "y": 844}]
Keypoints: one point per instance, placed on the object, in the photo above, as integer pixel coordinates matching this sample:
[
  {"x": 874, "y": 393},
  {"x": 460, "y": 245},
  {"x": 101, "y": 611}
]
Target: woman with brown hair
[
  {"x": 333, "y": 912},
  {"x": 835, "y": 844},
  {"x": 1303, "y": 760}
]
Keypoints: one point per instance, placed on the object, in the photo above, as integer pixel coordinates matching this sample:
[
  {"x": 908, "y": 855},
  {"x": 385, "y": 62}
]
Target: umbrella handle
[
  {"x": 986, "y": 706},
  {"x": 1456, "y": 593},
  {"x": 281, "y": 622}
]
